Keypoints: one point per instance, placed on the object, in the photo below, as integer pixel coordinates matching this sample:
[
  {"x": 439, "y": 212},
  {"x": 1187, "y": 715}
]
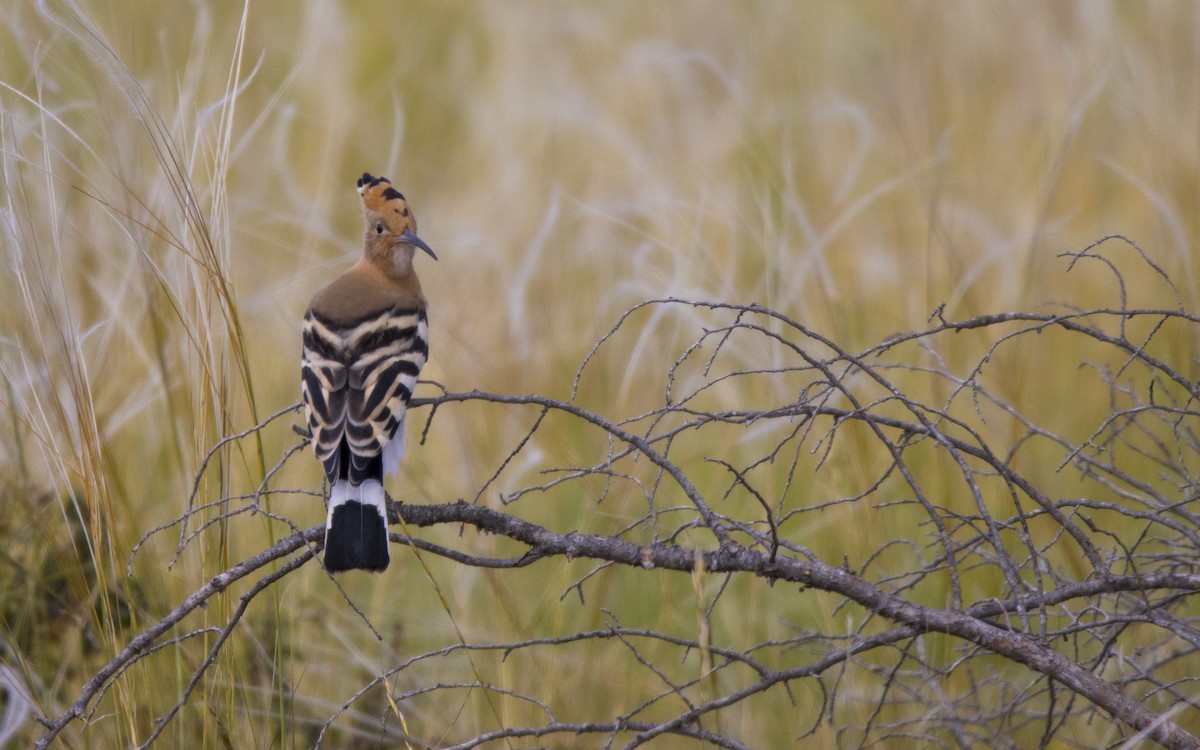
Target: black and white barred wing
[
  {"x": 357, "y": 382},
  {"x": 392, "y": 350},
  {"x": 323, "y": 385}
]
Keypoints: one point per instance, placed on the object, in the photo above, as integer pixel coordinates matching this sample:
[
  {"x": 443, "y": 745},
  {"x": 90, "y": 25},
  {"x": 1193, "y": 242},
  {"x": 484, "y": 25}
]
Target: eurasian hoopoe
[{"x": 365, "y": 339}]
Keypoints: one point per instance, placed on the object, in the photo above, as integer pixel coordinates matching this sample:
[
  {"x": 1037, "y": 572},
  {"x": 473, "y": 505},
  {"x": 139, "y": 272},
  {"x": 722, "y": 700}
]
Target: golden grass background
[{"x": 178, "y": 180}]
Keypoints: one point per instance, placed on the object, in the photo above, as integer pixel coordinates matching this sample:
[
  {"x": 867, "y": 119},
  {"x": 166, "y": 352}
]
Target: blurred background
[{"x": 178, "y": 179}]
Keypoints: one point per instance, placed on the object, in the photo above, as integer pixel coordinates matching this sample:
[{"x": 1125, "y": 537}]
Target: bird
[{"x": 365, "y": 340}]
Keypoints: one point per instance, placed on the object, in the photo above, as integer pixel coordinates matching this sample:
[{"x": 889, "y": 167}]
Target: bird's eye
[{"x": 378, "y": 229}]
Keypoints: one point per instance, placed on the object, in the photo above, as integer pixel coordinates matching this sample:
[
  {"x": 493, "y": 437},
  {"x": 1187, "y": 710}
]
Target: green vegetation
[{"x": 177, "y": 179}]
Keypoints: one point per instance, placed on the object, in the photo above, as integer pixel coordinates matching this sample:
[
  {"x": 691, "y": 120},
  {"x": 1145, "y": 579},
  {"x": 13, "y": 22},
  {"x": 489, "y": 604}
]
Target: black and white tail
[{"x": 356, "y": 528}]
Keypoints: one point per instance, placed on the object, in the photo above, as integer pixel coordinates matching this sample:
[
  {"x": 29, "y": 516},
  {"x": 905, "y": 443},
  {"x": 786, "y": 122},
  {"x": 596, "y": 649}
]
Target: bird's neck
[
  {"x": 395, "y": 264},
  {"x": 396, "y": 272}
]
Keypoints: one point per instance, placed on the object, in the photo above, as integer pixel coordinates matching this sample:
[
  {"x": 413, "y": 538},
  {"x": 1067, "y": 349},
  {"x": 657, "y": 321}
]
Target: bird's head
[{"x": 391, "y": 235}]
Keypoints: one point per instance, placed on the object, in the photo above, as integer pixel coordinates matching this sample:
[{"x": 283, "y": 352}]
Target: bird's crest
[{"x": 379, "y": 197}]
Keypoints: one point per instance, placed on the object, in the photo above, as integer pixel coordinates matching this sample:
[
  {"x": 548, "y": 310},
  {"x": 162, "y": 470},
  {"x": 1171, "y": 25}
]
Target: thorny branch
[{"x": 1081, "y": 584}]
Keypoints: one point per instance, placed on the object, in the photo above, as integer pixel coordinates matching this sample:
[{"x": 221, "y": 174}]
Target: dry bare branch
[{"x": 1068, "y": 559}]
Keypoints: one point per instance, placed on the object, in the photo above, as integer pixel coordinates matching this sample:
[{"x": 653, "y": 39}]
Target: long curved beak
[{"x": 413, "y": 239}]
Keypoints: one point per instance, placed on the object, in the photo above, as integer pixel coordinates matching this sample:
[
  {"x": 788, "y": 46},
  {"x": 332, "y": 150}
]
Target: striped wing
[{"x": 357, "y": 380}]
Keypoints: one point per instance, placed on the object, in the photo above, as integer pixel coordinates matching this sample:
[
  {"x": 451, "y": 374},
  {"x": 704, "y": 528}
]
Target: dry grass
[{"x": 178, "y": 179}]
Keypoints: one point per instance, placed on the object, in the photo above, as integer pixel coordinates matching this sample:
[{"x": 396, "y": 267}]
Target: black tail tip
[{"x": 356, "y": 539}]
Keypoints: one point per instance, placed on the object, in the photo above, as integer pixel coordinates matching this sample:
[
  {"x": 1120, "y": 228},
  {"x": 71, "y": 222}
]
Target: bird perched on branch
[{"x": 366, "y": 338}]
